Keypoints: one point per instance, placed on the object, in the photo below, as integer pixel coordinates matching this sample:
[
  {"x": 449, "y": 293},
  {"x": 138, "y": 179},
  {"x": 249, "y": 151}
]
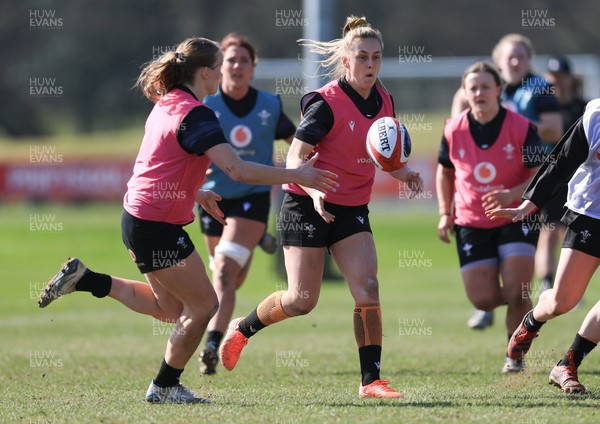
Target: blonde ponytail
[
  {"x": 353, "y": 22},
  {"x": 333, "y": 51}
]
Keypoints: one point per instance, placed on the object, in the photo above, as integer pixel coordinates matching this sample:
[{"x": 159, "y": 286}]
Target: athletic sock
[
  {"x": 94, "y": 282},
  {"x": 213, "y": 339},
  {"x": 369, "y": 338},
  {"x": 579, "y": 349},
  {"x": 268, "y": 312},
  {"x": 367, "y": 325},
  {"x": 531, "y": 324},
  {"x": 370, "y": 360},
  {"x": 167, "y": 375},
  {"x": 251, "y": 325}
]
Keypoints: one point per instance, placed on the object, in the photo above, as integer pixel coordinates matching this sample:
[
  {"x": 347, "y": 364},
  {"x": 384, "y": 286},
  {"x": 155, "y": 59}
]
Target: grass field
[{"x": 88, "y": 360}]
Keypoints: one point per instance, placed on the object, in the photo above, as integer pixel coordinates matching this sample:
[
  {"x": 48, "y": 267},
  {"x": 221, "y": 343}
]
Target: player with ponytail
[
  {"x": 334, "y": 125},
  {"x": 182, "y": 137}
]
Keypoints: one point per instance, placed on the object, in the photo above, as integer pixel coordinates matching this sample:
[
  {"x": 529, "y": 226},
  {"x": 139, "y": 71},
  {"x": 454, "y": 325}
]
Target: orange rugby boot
[
  {"x": 378, "y": 389},
  {"x": 233, "y": 343},
  {"x": 520, "y": 342}
]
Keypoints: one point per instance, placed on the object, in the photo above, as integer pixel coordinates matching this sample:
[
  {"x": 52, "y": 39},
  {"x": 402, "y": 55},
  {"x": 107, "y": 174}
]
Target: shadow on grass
[
  {"x": 501, "y": 403},
  {"x": 579, "y": 397},
  {"x": 400, "y": 372},
  {"x": 392, "y": 403}
]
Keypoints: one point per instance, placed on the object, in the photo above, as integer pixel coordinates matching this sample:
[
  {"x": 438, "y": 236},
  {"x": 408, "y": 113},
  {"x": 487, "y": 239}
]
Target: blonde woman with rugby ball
[{"x": 334, "y": 125}]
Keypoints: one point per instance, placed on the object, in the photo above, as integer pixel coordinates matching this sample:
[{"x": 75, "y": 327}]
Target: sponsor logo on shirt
[
  {"x": 240, "y": 136},
  {"x": 484, "y": 172}
]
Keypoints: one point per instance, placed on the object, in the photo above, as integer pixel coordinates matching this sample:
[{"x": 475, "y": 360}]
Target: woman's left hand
[
  {"x": 412, "y": 179},
  {"x": 208, "y": 200},
  {"x": 497, "y": 199},
  {"x": 414, "y": 183}
]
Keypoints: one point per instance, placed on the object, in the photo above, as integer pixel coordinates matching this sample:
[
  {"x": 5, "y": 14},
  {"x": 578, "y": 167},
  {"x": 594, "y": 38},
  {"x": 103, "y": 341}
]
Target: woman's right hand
[
  {"x": 319, "y": 179},
  {"x": 318, "y": 198},
  {"x": 208, "y": 201},
  {"x": 445, "y": 225}
]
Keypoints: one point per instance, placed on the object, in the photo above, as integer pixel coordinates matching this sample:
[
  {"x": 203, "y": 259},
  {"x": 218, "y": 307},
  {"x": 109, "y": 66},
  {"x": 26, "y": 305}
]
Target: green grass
[
  {"x": 113, "y": 144},
  {"x": 89, "y": 360}
]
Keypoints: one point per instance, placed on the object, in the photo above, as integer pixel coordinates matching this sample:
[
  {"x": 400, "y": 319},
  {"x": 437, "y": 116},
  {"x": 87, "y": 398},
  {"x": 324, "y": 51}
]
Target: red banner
[
  {"x": 73, "y": 181},
  {"x": 106, "y": 179}
]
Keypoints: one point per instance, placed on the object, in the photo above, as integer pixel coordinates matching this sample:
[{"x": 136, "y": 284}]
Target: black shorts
[
  {"x": 299, "y": 224},
  {"x": 583, "y": 233},
  {"x": 479, "y": 244},
  {"x": 553, "y": 211},
  {"x": 254, "y": 206},
  {"x": 155, "y": 245}
]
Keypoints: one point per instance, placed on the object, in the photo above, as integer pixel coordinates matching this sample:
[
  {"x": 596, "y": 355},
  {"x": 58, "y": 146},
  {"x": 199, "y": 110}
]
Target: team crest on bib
[
  {"x": 509, "y": 150},
  {"x": 240, "y": 136},
  {"x": 485, "y": 172},
  {"x": 264, "y": 115}
]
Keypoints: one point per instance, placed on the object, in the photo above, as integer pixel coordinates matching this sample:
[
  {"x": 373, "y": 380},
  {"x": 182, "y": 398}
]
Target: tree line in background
[{"x": 70, "y": 65}]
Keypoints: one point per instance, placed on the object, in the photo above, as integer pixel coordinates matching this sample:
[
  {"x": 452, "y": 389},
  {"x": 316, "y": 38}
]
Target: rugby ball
[{"x": 388, "y": 144}]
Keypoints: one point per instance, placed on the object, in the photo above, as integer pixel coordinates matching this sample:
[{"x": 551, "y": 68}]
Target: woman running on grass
[
  {"x": 182, "y": 137},
  {"x": 334, "y": 125},
  {"x": 251, "y": 119},
  {"x": 575, "y": 161},
  {"x": 529, "y": 94},
  {"x": 482, "y": 164}
]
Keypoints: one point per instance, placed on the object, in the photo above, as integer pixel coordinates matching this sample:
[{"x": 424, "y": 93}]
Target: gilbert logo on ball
[{"x": 388, "y": 144}]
